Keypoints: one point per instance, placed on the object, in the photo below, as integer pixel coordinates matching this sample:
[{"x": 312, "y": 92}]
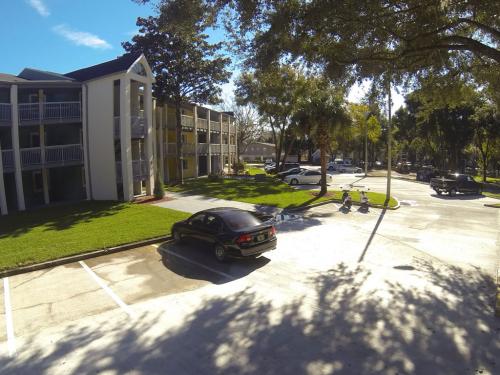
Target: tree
[
  {"x": 249, "y": 126},
  {"x": 365, "y": 124},
  {"x": 275, "y": 93},
  {"x": 186, "y": 66}
]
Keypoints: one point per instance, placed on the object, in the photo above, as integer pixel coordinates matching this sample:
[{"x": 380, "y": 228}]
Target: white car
[
  {"x": 307, "y": 177},
  {"x": 343, "y": 168}
]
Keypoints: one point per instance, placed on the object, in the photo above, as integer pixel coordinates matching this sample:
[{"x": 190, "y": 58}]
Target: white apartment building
[{"x": 97, "y": 133}]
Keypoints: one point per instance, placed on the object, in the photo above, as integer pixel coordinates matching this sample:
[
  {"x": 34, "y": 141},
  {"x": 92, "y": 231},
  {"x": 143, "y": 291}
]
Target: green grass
[
  {"x": 491, "y": 195},
  {"x": 495, "y": 180},
  {"x": 253, "y": 171},
  {"x": 270, "y": 192},
  {"x": 59, "y": 231}
]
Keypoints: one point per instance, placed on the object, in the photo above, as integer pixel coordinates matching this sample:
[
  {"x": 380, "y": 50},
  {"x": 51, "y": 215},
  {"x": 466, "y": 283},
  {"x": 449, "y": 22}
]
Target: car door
[
  {"x": 212, "y": 229},
  {"x": 195, "y": 226},
  {"x": 470, "y": 185}
]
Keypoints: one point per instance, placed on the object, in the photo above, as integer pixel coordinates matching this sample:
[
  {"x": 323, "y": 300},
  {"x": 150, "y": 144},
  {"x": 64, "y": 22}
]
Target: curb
[
  {"x": 76, "y": 258},
  {"x": 303, "y": 208},
  {"x": 410, "y": 180}
]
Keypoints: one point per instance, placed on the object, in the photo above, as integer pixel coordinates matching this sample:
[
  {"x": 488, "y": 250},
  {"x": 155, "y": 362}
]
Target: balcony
[
  {"x": 232, "y": 129},
  {"x": 214, "y": 126},
  {"x": 137, "y": 126},
  {"x": 187, "y": 121},
  {"x": 232, "y": 149},
  {"x": 202, "y": 148},
  {"x": 54, "y": 156},
  {"x": 225, "y": 149},
  {"x": 215, "y": 149},
  {"x": 140, "y": 170},
  {"x": 50, "y": 111},
  {"x": 5, "y": 112},
  {"x": 8, "y": 160},
  {"x": 202, "y": 123},
  {"x": 188, "y": 149},
  {"x": 171, "y": 149}
]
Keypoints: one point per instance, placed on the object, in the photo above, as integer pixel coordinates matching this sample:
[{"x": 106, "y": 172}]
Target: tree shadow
[
  {"x": 57, "y": 217},
  {"x": 459, "y": 197},
  {"x": 343, "y": 325}
]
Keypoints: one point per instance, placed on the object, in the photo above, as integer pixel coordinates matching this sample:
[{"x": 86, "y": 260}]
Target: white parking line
[
  {"x": 11, "y": 340},
  {"x": 108, "y": 290},
  {"x": 223, "y": 274}
]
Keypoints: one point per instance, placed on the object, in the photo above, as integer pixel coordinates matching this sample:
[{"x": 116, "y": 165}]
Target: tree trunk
[
  {"x": 323, "y": 144},
  {"x": 178, "y": 136}
]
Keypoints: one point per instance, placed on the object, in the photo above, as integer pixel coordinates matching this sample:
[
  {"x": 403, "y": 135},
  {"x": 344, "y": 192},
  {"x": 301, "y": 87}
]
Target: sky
[{"x": 66, "y": 35}]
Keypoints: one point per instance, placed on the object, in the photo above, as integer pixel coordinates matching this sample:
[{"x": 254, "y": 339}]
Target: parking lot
[{"x": 405, "y": 291}]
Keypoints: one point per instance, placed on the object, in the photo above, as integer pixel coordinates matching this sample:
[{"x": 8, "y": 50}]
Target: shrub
[
  {"x": 239, "y": 167},
  {"x": 214, "y": 177}
]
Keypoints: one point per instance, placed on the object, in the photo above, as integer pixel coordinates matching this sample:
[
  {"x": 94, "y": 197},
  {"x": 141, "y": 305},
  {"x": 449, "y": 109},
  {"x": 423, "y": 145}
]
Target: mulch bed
[{"x": 150, "y": 199}]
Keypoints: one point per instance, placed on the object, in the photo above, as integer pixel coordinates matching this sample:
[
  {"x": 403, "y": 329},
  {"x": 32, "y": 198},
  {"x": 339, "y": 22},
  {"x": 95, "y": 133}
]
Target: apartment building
[{"x": 96, "y": 133}]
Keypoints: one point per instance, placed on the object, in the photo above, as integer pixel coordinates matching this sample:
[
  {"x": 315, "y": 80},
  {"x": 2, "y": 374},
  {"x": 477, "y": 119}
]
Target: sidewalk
[{"x": 195, "y": 203}]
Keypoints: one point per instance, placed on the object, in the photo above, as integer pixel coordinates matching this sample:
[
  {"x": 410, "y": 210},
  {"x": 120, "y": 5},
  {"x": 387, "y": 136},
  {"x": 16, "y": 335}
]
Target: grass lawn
[
  {"x": 270, "y": 192},
  {"x": 252, "y": 171},
  {"x": 488, "y": 179},
  {"x": 59, "y": 231},
  {"x": 491, "y": 195}
]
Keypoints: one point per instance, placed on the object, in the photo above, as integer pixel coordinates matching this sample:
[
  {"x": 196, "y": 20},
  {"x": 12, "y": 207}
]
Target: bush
[
  {"x": 159, "y": 190},
  {"x": 214, "y": 177},
  {"x": 239, "y": 167}
]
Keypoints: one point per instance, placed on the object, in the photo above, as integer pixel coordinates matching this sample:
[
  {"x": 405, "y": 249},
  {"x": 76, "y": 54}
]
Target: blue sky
[{"x": 65, "y": 35}]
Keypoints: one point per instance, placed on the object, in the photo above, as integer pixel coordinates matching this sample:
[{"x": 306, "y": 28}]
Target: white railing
[
  {"x": 215, "y": 149},
  {"x": 31, "y": 156},
  {"x": 232, "y": 129},
  {"x": 8, "y": 159},
  {"x": 202, "y": 148},
  {"x": 225, "y": 127},
  {"x": 188, "y": 148},
  {"x": 225, "y": 149},
  {"x": 62, "y": 110},
  {"x": 202, "y": 123},
  {"x": 63, "y": 154},
  {"x": 29, "y": 111},
  {"x": 139, "y": 169},
  {"x": 138, "y": 126},
  {"x": 187, "y": 121},
  {"x": 5, "y": 112},
  {"x": 214, "y": 125},
  {"x": 232, "y": 149}
]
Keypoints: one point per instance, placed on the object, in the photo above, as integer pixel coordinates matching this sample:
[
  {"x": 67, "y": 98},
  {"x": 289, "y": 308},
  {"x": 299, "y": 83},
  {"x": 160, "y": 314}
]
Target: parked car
[
  {"x": 283, "y": 167},
  {"x": 269, "y": 166},
  {"x": 343, "y": 168},
  {"x": 268, "y": 161},
  {"x": 283, "y": 174},
  {"x": 229, "y": 232},
  {"x": 426, "y": 173},
  {"x": 306, "y": 177},
  {"x": 455, "y": 183}
]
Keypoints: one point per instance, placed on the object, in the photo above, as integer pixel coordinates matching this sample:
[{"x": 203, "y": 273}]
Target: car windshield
[{"x": 236, "y": 220}]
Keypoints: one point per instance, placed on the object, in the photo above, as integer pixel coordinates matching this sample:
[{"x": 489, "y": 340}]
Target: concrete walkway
[{"x": 195, "y": 203}]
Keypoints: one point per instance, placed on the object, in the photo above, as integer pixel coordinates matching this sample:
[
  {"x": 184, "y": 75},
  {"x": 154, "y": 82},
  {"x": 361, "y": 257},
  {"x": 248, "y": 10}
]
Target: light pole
[{"x": 389, "y": 144}]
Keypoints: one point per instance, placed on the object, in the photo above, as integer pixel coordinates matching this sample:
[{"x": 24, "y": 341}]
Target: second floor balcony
[
  {"x": 8, "y": 160},
  {"x": 137, "y": 126},
  {"x": 54, "y": 156},
  {"x": 50, "y": 112},
  {"x": 5, "y": 112}
]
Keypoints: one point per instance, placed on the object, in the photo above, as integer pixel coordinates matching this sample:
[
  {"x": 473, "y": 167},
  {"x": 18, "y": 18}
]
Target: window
[
  {"x": 139, "y": 69},
  {"x": 184, "y": 164},
  {"x": 213, "y": 224},
  {"x": 197, "y": 219},
  {"x": 37, "y": 182}
]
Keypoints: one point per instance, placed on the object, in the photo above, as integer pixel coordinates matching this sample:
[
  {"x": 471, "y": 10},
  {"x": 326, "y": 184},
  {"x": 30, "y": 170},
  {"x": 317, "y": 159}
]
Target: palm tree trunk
[{"x": 178, "y": 136}]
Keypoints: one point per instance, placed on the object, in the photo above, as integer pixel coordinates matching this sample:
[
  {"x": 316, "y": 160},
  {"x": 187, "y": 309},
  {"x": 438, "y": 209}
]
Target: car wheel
[
  {"x": 177, "y": 237},
  {"x": 439, "y": 192},
  {"x": 294, "y": 181},
  {"x": 453, "y": 192},
  {"x": 220, "y": 253}
]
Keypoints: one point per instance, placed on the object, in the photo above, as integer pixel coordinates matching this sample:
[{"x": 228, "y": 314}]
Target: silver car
[{"x": 306, "y": 177}]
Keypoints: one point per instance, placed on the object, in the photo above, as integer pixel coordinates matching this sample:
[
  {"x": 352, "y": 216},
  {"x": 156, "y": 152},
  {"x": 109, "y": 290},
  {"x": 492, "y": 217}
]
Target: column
[
  {"x": 236, "y": 154},
  {"x": 195, "y": 115},
  {"x": 209, "y": 157},
  {"x": 165, "y": 150},
  {"x": 221, "y": 157},
  {"x": 229, "y": 144},
  {"x": 148, "y": 110},
  {"x": 3, "y": 198},
  {"x": 125, "y": 139},
  {"x": 161, "y": 157},
  {"x": 41, "y": 132},
  {"x": 15, "y": 147},
  {"x": 85, "y": 130}
]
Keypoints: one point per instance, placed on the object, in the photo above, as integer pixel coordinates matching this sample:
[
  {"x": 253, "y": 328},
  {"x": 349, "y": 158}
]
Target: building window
[
  {"x": 139, "y": 69},
  {"x": 184, "y": 164},
  {"x": 37, "y": 182}
]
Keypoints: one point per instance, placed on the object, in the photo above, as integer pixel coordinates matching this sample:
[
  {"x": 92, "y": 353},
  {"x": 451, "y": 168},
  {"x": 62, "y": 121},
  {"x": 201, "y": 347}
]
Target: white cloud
[
  {"x": 40, "y": 7},
  {"x": 81, "y": 38}
]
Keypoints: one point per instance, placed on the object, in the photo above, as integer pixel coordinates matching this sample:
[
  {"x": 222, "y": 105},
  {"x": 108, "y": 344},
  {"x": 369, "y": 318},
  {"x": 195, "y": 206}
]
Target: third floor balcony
[{"x": 50, "y": 112}]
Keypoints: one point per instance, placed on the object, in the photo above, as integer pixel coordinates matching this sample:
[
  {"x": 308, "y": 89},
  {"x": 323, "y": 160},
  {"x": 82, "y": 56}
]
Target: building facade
[{"x": 96, "y": 133}]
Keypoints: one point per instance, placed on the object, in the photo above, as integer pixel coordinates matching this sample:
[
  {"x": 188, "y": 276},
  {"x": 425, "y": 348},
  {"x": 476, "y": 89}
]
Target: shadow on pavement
[
  {"x": 445, "y": 328},
  {"x": 196, "y": 260},
  {"x": 374, "y": 231},
  {"x": 459, "y": 197}
]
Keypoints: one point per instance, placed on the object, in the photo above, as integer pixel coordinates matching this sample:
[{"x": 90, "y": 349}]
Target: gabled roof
[
  {"x": 10, "y": 78},
  {"x": 119, "y": 64},
  {"x": 41, "y": 75}
]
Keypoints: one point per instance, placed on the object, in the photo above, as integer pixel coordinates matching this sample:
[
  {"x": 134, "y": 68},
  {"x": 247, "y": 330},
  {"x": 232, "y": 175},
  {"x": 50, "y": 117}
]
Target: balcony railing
[
  {"x": 225, "y": 149},
  {"x": 202, "y": 123},
  {"x": 232, "y": 149},
  {"x": 50, "y": 111},
  {"x": 8, "y": 160},
  {"x": 232, "y": 129},
  {"x": 187, "y": 121},
  {"x": 137, "y": 126},
  {"x": 140, "y": 169},
  {"x": 31, "y": 157},
  {"x": 214, "y": 126},
  {"x": 67, "y": 154},
  {"x": 5, "y": 112},
  {"x": 202, "y": 148},
  {"x": 215, "y": 149}
]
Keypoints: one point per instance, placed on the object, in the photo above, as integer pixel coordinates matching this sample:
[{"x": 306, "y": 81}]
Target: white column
[
  {"x": 85, "y": 130},
  {"x": 3, "y": 198},
  {"x": 236, "y": 143},
  {"x": 125, "y": 139},
  {"x": 229, "y": 144},
  {"x": 148, "y": 110},
  {"x": 221, "y": 157},
  {"x": 209, "y": 157},
  {"x": 195, "y": 115},
  {"x": 161, "y": 154},
  {"x": 15, "y": 146},
  {"x": 41, "y": 132}
]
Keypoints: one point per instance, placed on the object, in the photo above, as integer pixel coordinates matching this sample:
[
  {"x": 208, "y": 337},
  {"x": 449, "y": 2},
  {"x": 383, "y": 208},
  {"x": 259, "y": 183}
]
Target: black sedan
[{"x": 231, "y": 232}]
